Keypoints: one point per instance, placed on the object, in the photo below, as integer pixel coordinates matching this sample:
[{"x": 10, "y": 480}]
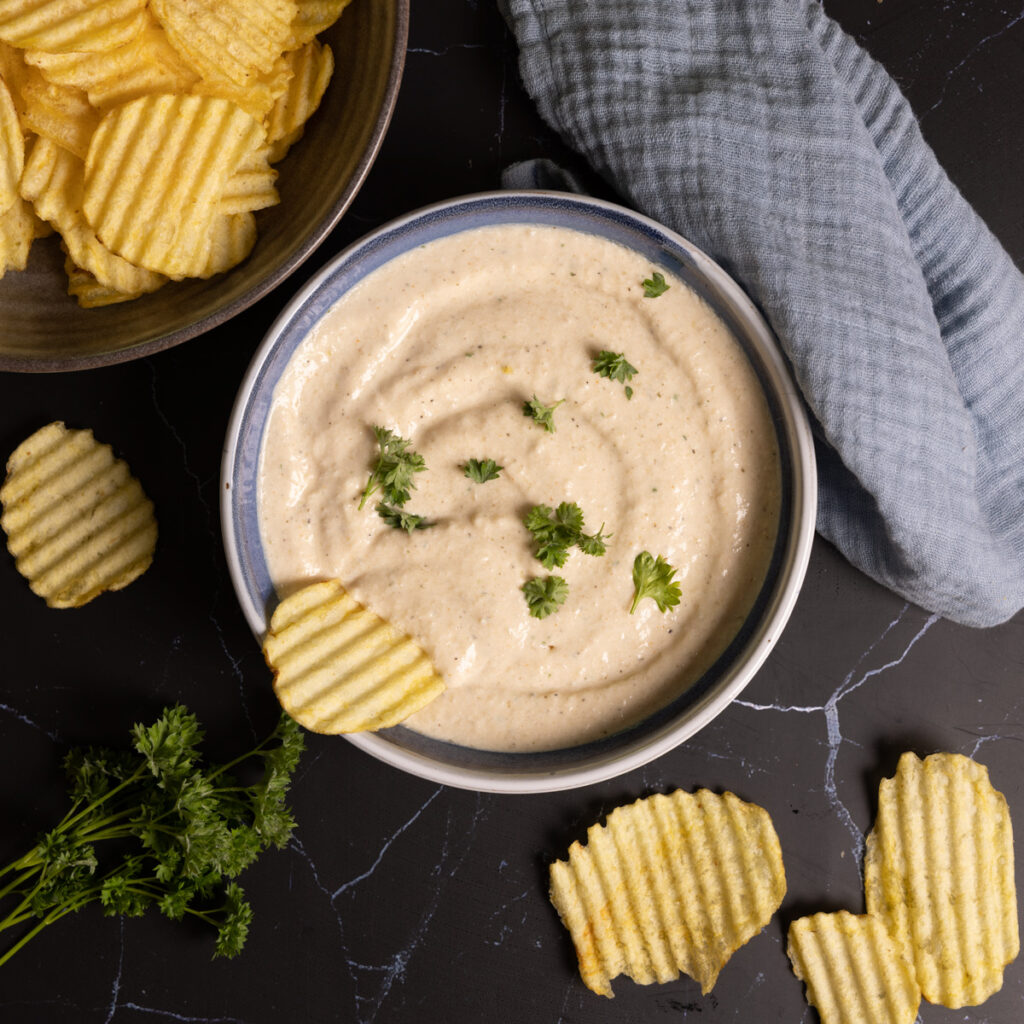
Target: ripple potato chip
[
  {"x": 339, "y": 668},
  {"x": 156, "y": 171},
  {"x": 854, "y": 971},
  {"x": 227, "y": 39},
  {"x": 311, "y": 67},
  {"x": 12, "y": 149},
  {"x": 939, "y": 875},
  {"x": 312, "y": 18},
  {"x": 17, "y": 230},
  {"x": 670, "y": 883},
  {"x": 77, "y": 521},
  {"x": 64, "y": 26},
  {"x": 53, "y": 182},
  {"x": 146, "y": 64}
]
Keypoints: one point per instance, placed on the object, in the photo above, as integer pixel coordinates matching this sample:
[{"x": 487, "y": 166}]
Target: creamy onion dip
[{"x": 443, "y": 345}]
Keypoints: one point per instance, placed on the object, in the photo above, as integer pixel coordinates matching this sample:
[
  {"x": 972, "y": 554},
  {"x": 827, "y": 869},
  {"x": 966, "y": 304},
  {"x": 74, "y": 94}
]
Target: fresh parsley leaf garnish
[
  {"x": 593, "y": 544},
  {"x": 393, "y": 472},
  {"x": 555, "y": 531},
  {"x": 541, "y": 414},
  {"x": 482, "y": 470},
  {"x": 652, "y": 577},
  {"x": 654, "y": 285},
  {"x": 153, "y": 828},
  {"x": 545, "y": 594},
  {"x": 629, "y": 392},
  {"x": 403, "y": 520},
  {"x": 614, "y": 366}
]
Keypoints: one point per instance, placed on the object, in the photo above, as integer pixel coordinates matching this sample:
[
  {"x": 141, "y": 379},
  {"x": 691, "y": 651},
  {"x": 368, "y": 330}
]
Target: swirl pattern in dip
[{"x": 443, "y": 345}]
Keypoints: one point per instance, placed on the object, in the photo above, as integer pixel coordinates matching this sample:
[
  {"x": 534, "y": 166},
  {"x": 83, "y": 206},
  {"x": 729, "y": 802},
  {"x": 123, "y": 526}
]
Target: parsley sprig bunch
[{"x": 153, "y": 828}]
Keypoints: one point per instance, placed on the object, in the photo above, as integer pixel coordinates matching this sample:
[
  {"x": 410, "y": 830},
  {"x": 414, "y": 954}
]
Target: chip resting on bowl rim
[{"x": 340, "y": 668}]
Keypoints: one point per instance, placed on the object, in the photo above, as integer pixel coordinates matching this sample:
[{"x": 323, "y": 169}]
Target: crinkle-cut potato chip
[
  {"x": 52, "y": 181},
  {"x": 312, "y": 67},
  {"x": 65, "y": 26},
  {"x": 77, "y": 521},
  {"x": 156, "y": 170},
  {"x": 854, "y": 971},
  {"x": 147, "y": 64},
  {"x": 670, "y": 883},
  {"x": 939, "y": 873},
  {"x": 88, "y": 292},
  {"x": 12, "y": 149},
  {"x": 339, "y": 668},
  {"x": 312, "y": 18},
  {"x": 257, "y": 97},
  {"x": 227, "y": 39},
  {"x": 252, "y": 186},
  {"x": 232, "y": 237},
  {"x": 17, "y": 230},
  {"x": 58, "y": 112}
]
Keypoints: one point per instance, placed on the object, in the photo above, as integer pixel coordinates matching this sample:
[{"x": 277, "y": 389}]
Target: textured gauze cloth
[{"x": 766, "y": 136}]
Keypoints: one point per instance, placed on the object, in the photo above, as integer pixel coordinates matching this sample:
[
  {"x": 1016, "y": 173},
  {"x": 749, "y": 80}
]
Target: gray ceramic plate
[{"x": 44, "y": 329}]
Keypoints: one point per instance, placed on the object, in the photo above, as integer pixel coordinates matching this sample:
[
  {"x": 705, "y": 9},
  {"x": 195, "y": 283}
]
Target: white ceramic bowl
[{"x": 700, "y": 703}]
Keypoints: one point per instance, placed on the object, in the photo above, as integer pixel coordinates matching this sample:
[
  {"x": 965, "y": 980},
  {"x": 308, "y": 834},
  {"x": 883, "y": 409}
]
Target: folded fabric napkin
[{"x": 767, "y": 137}]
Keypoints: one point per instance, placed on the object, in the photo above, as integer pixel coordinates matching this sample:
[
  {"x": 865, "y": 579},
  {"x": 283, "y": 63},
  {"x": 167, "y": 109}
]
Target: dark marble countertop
[{"x": 399, "y": 900}]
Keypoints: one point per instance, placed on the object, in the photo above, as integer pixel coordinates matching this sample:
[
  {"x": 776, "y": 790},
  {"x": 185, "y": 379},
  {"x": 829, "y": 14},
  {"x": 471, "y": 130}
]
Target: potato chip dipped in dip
[{"x": 545, "y": 460}]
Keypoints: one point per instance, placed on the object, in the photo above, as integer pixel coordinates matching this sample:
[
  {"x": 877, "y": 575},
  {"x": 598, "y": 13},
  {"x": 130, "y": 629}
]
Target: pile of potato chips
[
  {"x": 143, "y": 131},
  {"x": 941, "y": 902}
]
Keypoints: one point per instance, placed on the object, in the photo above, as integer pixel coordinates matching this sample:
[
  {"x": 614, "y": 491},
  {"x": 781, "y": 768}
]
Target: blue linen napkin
[{"x": 762, "y": 133}]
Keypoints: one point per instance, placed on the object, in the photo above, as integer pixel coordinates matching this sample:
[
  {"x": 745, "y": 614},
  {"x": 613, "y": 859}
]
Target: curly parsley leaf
[
  {"x": 614, "y": 366},
  {"x": 593, "y": 544},
  {"x": 541, "y": 414},
  {"x": 545, "y": 594},
  {"x": 401, "y": 520},
  {"x": 654, "y": 285},
  {"x": 652, "y": 577},
  {"x": 482, "y": 470},
  {"x": 393, "y": 471},
  {"x": 555, "y": 531}
]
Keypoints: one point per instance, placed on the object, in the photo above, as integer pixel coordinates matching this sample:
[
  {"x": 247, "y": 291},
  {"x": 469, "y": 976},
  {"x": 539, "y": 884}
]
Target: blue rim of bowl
[{"x": 499, "y": 772}]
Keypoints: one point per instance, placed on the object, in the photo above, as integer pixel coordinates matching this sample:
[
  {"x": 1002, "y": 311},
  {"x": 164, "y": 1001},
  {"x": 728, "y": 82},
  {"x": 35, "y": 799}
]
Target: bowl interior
[
  {"x": 44, "y": 329},
  {"x": 462, "y": 766}
]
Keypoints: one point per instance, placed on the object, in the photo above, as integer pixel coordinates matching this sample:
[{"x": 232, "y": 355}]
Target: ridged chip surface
[
  {"x": 147, "y": 64},
  {"x": 156, "y": 171},
  {"x": 88, "y": 292},
  {"x": 312, "y": 18},
  {"x": 670, "y": 884},
  {"x": 854, "y": 971},
  {"x": 12, "y": 149},
  {"x": 939, "y": 874},
  {"x": 312, "y": 66},
  {"x": 77, "y": 522},
  {"x": 17, "y": 230},
  {"x": 227, "y": 39},
  {"x": 53, "y": 182},
  {"x": 65, "y": 26},
  {"x": 340, "y": 668}
]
